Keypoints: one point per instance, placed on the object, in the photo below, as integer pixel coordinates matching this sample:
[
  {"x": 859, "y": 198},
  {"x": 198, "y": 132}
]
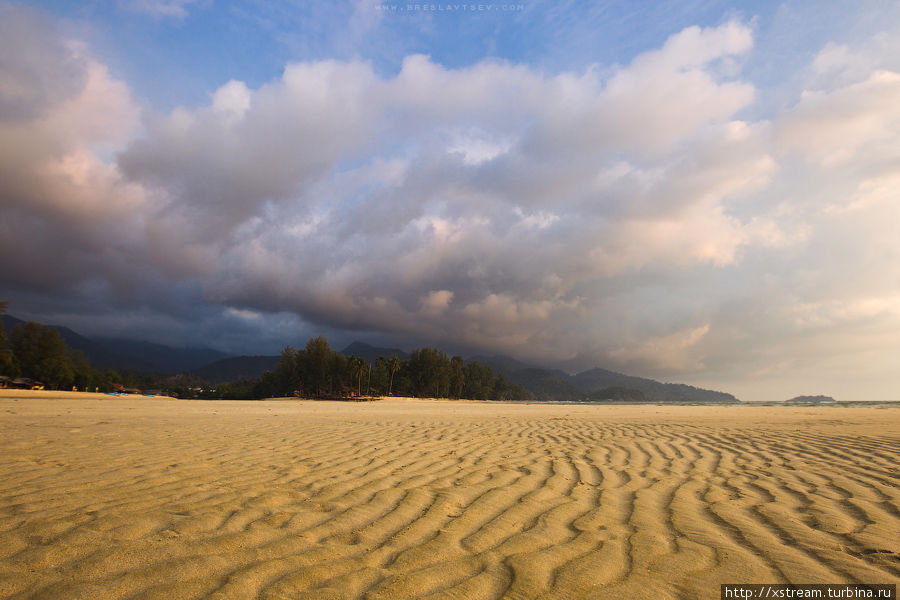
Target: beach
[{"x": 138, "y": 497}]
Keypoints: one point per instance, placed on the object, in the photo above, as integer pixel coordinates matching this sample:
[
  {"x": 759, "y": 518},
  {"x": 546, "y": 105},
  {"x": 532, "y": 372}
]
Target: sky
[{"x": 705, "y": 192}]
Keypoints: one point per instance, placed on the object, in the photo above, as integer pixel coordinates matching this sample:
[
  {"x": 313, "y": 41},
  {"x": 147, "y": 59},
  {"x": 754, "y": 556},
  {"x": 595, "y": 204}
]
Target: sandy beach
[{"x": 104, "y": 497}]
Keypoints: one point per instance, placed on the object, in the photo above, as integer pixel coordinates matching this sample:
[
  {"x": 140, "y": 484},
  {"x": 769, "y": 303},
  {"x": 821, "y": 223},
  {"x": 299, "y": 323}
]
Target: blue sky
[
  {"x": 698, "y": 191},
  {"x": 196, "y": 46}
]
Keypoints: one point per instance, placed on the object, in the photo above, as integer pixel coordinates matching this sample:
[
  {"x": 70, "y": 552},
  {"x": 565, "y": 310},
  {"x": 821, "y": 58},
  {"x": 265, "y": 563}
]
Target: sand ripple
[{"x": 165, "y": 499}]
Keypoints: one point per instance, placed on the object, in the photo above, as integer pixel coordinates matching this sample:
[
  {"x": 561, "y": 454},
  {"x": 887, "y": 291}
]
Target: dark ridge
[
  {"x": 131, "y": 355},
  {"x": 236, "y": 368},
  {"x": 369, "y": 353}
]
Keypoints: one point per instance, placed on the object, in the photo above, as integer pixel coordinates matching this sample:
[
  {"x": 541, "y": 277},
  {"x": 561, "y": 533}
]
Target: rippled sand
[{"x": 156, "y": 498}]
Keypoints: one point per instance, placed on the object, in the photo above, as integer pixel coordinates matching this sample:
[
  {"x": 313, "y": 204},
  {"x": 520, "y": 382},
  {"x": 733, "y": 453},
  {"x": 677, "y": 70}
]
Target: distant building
[{"x": 118, "y": 388}]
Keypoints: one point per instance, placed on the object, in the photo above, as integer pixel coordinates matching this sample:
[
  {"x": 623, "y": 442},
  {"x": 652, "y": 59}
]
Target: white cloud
[
  {"x": 436, "y": 302},
  {"x": 675, "y": 352},
  {"x": 832, "y": 127},
  {"x": 659, "y": 100},
  {"x": 475, "y": 149},
  {"x": 232, "y": 100},
  {"x": 638, "y": 217}
]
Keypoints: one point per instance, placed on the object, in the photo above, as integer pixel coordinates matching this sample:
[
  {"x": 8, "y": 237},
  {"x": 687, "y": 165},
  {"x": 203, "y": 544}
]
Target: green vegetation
[
  {"x": 597, "y": 379},
  {"x": 548, "y": 385},
  {"x": 7, "y": 360},
  {"x": 38, "y": 352},
  {"x": 318, "y": 371}
]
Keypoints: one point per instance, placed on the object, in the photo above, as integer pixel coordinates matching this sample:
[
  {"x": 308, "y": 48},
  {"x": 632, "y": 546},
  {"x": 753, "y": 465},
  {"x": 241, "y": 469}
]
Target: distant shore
[
  {"x": 69, "y": 395},
  {"x": 60, "y": 394}
]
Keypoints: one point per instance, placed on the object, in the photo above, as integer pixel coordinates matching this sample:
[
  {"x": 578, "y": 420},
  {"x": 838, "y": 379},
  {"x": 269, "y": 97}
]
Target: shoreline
[{"x": 60, "y": 394}]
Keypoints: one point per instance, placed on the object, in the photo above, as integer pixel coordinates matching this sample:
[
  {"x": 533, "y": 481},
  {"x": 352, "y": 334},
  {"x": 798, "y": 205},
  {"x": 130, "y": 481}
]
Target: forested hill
[
  {"x": 373, "y": 353},
  {"x": 595, "y": 379},
  {"x": 236, "y": 368},
  {"x": 216, "y": 368},
  {"x": 318, "y": 371},
  {"x": 130, "y": 355},
  {"x": 239, "y": 368},
  {"x": 554, "y": 384}
]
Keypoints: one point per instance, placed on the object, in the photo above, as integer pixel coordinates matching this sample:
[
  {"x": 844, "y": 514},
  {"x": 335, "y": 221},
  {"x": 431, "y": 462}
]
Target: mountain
[
  {"x": 595, "y": 379},
  {"x": 239, "y": 368},
  {"x": 236, "y": 368},
  {"x": 131, "y": 355},
  {"x": 98, "y": 356},
  {"x": 370, "y": 353},
  {"x": 546, "y": 385},
  {"x": 216, "y": 367},
  {"x": 157, "y": 358},
  {"x": 504, "y": 364},
  {"x": 553, "y": 384}
]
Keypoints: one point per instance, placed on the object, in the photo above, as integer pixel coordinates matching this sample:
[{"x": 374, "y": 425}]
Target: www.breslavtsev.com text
[{"x": 450, "y": 7}]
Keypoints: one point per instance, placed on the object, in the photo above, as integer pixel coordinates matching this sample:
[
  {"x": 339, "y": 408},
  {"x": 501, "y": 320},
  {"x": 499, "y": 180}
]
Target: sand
[{"x": 105, "y": 497}]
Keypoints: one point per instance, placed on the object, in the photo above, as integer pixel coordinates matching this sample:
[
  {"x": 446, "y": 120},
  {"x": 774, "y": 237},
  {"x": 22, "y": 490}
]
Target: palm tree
[
  {"x": 393, "y": 367},
  {"x": 359, "y": 365}
]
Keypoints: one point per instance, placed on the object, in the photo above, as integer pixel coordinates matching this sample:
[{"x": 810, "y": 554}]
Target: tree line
[
  {"x": 38, "y": 352},
  {"x": 318, "y": 371}
]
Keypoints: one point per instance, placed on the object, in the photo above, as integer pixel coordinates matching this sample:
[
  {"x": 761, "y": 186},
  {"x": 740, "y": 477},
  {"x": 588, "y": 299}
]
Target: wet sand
[{"x": 137, "y": 497}]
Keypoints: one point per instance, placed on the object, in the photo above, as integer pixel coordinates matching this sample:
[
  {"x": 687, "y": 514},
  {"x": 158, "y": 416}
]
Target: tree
[
  {"x": 24, "y": 344},
  {"x": 361, "y": 367},
  {"x": 500, "y": 388},
  {"x": 507, "y": 390},
  {"x": 479, "y": 381},
  {"x": 340, "y": 372},
  {"x": 8, "y": 365},
  {"x": 285, "y": 376},
  {"x": 3, "y": 306},
  {"x": 318, "y": 364},
  {"x": 393, "y": 367},
  {"x": 429, "y": 371},
  {"x": 42, "y": 354},
  {"x": 379, "y": 379},
  {"x": 84, "y": 377},
  {"x": 457, "y": 376},
  {"x": 356, "y": 366}
]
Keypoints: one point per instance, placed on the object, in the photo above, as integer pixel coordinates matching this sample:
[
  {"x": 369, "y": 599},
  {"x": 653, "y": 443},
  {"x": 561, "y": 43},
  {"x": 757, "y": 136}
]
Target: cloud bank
[{"x": 633, "y": 217}]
